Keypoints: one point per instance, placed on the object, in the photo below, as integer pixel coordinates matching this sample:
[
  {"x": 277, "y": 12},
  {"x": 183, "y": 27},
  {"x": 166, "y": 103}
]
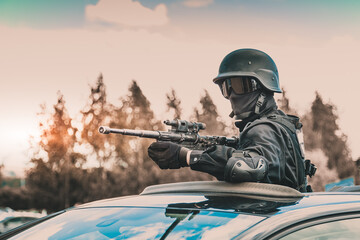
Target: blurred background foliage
[{"x": 72, "y": 163}]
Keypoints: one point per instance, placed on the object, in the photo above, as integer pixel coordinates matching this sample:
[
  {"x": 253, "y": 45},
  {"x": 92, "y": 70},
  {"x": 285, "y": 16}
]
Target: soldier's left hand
[{"x": 168, "y": 155}]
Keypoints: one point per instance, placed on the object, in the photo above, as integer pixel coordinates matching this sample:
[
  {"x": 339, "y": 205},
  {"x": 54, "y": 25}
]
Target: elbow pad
[{"x": 245, "y": 169}]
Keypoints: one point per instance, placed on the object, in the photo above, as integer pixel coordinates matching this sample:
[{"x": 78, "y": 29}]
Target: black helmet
[{"x": 250, "y": 62}]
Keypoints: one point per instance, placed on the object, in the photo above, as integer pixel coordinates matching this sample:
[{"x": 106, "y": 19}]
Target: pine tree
[
  {"x": 333, "y": 143},
  {"x": 173, "y": 104},
  {"x": 97, "y": 112},
  {"x": 55, "y": 178},
  {"x": 135, "y": 113},
  {"x": 284, "y": 103},
  {"x": 208, "y": 114}
]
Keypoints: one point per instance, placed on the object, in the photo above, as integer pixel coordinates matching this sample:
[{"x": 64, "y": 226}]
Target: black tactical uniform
[{"x": 269, "y": 149}]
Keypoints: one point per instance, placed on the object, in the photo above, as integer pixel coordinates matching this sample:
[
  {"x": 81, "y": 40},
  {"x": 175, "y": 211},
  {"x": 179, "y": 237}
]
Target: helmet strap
[{"x": 260, "y": 102}]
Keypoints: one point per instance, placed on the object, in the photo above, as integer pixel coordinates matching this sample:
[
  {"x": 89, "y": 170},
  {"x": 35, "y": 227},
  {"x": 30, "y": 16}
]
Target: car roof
[{"x": 258, "y": 198}]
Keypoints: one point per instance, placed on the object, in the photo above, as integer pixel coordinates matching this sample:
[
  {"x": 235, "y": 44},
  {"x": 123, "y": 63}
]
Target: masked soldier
[{"x": 269, "y": 149}]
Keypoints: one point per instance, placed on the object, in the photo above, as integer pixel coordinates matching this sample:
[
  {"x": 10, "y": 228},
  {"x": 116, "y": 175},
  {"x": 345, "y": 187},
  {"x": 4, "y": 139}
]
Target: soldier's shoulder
[
  {"x": 265, "y": 123},
  {"x": 260, "y": 126}
]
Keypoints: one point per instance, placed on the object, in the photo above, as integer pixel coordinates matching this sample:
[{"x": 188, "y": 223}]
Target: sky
[{"x": 48, "y": 46}]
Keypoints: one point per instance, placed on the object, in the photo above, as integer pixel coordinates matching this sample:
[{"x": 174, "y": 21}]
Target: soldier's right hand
[{"x": 168, "y": 155}]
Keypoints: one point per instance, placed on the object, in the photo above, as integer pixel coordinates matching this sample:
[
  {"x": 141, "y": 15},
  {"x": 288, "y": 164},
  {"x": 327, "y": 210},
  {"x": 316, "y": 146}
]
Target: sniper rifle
[{"x": 182, "y": 132}]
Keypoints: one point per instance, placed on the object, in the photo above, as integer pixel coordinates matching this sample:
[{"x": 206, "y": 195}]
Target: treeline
[{"x": 72, "y": 163}]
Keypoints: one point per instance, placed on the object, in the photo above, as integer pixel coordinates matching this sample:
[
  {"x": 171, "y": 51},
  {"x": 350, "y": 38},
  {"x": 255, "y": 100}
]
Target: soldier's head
[{"x": 248, "y": 78}]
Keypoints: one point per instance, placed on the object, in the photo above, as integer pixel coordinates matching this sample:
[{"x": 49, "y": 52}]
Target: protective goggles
[{"x": 240, "y": 85}]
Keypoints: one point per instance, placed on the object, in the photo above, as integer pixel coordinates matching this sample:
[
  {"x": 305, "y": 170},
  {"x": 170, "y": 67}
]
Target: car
[
  {"x": 206, "y": 210},
  {"x": 10, "y": 219}
]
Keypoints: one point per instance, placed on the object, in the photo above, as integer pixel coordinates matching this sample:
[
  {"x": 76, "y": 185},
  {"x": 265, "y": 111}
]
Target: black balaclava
[{"x": 243, "y": 106}]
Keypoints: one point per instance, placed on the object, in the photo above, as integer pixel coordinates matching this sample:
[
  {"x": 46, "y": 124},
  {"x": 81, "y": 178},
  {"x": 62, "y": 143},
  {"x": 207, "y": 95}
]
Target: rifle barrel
[{"x": 130, "y": 132}]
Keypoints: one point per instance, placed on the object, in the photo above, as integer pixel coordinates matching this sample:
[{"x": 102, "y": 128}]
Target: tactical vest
[{"x": 289, "y": 125}]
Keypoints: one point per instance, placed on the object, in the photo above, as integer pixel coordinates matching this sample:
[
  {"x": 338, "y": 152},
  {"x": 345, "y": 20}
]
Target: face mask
[{"x": 243, "y": 105}]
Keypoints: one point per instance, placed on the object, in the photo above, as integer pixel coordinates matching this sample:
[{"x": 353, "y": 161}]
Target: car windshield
[{"x": 141, "y": 223}]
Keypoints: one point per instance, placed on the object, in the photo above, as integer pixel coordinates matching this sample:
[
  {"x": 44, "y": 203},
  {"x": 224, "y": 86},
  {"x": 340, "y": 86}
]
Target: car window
[
  {"x": 140, "y": 223},
  {"x": 343, "y": 229}
]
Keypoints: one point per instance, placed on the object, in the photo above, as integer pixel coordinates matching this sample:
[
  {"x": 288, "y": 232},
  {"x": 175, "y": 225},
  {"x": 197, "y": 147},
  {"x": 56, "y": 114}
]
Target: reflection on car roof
[{"x": 258, "y": 198}]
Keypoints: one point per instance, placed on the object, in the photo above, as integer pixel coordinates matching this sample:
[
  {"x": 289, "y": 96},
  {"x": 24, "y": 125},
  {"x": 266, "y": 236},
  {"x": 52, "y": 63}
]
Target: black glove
[{"x": 168, "y": 155}]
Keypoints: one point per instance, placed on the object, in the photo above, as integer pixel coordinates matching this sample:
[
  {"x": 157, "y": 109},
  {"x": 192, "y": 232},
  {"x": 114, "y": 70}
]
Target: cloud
[
  {"x": 126, "y": 13},
  {"x": 197, "y": 3}
]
